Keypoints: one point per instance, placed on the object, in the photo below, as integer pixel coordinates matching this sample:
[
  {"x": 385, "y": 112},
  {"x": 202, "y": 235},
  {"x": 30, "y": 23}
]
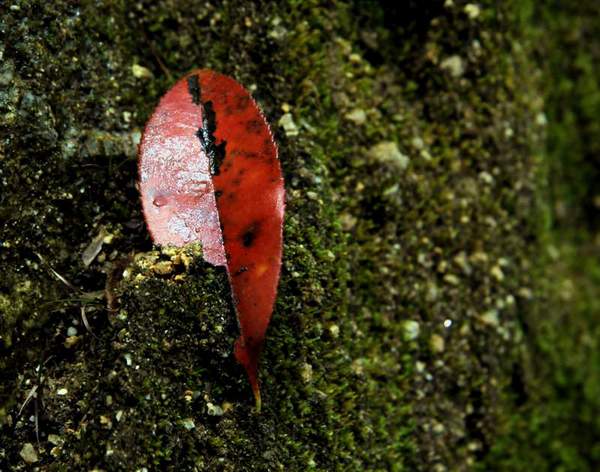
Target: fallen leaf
[{"x": 209, "y": 173}]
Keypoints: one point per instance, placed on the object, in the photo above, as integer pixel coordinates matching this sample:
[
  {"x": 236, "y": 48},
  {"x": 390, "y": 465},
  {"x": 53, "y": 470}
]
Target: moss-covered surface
[
  {"x": 438, "y": 302},
  {"x": 553, "y": 421}
]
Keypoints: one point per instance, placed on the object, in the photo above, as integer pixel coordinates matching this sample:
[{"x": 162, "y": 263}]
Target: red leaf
[{"x": 209, "y": 172}]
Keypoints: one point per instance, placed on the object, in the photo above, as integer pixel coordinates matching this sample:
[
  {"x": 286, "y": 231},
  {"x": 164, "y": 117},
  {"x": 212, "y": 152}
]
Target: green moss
[
  {"x": 550, "y": 421},
  {"x": 444, "y": 232}
]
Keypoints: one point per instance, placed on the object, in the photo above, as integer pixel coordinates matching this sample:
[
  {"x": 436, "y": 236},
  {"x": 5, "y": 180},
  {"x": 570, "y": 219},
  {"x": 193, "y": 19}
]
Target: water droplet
[
  {"x": 447, "y": 323},
  {"x": 160, "y": 201}
]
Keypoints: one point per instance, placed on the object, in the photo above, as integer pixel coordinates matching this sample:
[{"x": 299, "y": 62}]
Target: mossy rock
[{"x": 417, "y": 226}]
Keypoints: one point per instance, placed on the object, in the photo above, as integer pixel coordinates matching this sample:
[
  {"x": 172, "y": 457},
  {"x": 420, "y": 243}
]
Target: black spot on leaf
[{"x": 249, "y": 235}]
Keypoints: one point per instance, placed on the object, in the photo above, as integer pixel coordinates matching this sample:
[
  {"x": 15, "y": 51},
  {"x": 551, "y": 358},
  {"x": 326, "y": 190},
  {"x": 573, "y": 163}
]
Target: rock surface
[{"x": 457, "y": 232}]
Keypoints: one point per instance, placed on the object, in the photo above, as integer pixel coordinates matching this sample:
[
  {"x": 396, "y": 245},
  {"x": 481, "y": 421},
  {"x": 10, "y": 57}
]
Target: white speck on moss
[
  {"x": 135, "y": 137},
  {"x": 391, "y": 190},
  {"x": 62, "y": 392},
  {"x": 55, "y": 439},
  {"x": 358, "y": 366},
  {"x": 411, "y": 330},
  {"x": 288, "y": 125},
  {"x": 334, "y": 330},
  {"x": 355, "y": 58},
  {"x": 188, "y": 424},
  {"x": 497, "y": 273},
  {"x": 472, "y": 10},
  {"x": 451, "y": 279},
  {"x": 461, "y": 260},
  {"x": 28, "y": 453},
  {"x": 348, "y": 221},
  {"x": 454, "y": 65},
  {"x": 356, "y": 116},
  {"x": 540, "y": 119},
  {"x": 306, "y": 372},
  {"x": 214, "y": 410},
  {"x": 141, "y": 72},
  {"x": 486, "y": 177},
  {"x": 432, "y": 292},
  {"x": 417, "y": 142},
  {"x": 105, "y": 421},
  {"x": 490, "y": 317},
  {"x": 278, "y": 31},
  {"x": 437, "y": 343},
  {"x": 438, "y": 428},
  {"x": 388, "y": 151}
]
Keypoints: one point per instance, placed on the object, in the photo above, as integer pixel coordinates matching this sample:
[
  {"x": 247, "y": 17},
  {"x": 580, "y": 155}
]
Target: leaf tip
[
  {"x": 247, "y": 355},
  {"x": 256, "y": 391}
]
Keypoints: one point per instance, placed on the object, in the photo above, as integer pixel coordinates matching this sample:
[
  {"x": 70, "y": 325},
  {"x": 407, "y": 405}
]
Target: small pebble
[
  {"x": 288, "y": 125},
  {"x": 490, "y": 317},
  {"x": 438, "y": 428},
  {"x": 306, "y": 372},
  {"x": 334, "y": 330},
  {"x": 214, "y": 410},
  {"x": 540, "y": 119},
  {"x": 357, "y": 116},
  {"x": 141, "y": 72},
  {"x": 472, "y": 10},
  {"x": 411, "y": 330},
  {"x": 437, "y": 343},
  {"x": 418, "y": 142},
  {"x": 188, "y": 424},
  {"x": 71, "y": 341},
  {"x": 388, "y": 151},
  {"x": 451, "y": 279},
  {"x": 454, "y": 65},
  {"x": 497, "y": 273},
  {"x": 28, "y": 453},
  {"x": 55, "y": 439}
]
